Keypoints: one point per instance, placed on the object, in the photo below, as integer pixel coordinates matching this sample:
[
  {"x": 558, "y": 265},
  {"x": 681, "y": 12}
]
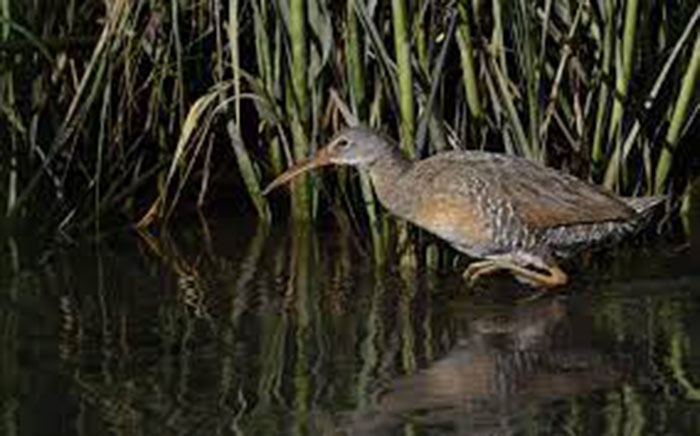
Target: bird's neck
[{"x": 385, "y": 173}]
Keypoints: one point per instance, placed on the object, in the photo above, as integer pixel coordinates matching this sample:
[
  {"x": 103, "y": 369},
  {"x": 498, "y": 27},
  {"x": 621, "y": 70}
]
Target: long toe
[{"x": 479, "y": 269}]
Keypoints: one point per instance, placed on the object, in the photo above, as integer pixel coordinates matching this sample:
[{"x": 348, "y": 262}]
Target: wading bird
[{"x": 508, "y": 211}]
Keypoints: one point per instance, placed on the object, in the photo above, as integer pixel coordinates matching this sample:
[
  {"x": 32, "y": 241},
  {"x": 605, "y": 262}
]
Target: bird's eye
[{"x": 343, "y": 144}]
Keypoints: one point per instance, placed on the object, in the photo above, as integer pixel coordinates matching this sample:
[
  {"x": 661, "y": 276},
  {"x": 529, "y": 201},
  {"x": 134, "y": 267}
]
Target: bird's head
[{"x": 357, "y": 146}]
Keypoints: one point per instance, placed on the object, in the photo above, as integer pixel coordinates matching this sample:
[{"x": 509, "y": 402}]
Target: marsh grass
[{"x": 136, "y": 108}]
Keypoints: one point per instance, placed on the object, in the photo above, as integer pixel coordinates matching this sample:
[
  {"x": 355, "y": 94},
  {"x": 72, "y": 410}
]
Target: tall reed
[
  {"x": 678, "y": 118},
  {"x": 179, "y": 98},
  {"x": 405, "y": 73},
  {"x": 301, "y": 204}
]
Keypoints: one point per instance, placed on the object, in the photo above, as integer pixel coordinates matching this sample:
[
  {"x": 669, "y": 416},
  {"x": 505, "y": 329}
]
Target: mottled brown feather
[{"x": 540, "y": 197}]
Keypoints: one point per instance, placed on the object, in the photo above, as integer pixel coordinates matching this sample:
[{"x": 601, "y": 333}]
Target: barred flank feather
[{"x": 570, "y": 239}]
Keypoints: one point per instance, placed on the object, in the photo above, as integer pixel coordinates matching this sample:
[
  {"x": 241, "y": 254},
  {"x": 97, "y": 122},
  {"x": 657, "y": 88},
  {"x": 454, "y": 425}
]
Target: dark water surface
[{"x": 236, "y": 330}]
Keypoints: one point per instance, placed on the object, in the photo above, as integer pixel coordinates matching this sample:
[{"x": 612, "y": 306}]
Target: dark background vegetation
[
  {"x": 127, "y": 111},
  {"x": 133, "y": 109}
]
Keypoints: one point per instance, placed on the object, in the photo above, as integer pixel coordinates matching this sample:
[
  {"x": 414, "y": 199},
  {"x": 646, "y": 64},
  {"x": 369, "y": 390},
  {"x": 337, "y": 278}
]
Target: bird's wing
[{"x": 541, "y": 197}]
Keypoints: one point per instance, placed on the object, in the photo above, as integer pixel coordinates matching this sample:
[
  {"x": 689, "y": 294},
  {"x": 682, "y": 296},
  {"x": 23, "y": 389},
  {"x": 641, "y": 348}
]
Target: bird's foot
[
  {"x": 553, "y": 277},
  {"x": 476, "y": 270}
]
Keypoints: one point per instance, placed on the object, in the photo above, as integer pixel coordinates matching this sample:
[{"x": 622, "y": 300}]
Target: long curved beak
[{"x": 322, "y": 158}]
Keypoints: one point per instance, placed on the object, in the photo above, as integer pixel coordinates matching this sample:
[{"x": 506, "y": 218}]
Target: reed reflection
[
  {"x": 506, "y": 364},
  {"x": 223, "y": 329}
]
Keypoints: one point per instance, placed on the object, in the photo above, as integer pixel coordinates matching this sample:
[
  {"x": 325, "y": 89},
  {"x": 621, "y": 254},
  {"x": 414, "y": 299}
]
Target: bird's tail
[
  {"x": 644, "y": 205},
  {"x": 647, "y": 209}
]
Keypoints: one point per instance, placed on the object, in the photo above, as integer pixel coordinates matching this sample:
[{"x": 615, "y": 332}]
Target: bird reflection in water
[{"x": 507, "y": 364}]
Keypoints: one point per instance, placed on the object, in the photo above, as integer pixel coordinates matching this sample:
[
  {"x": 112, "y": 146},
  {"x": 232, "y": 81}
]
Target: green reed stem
[
  {"x": 7, "y": 101},
  {"x": 497, "y": 46},
  {"x": 268, "y": 70},
  {"x": 262, "y": 45},
  {"x": 379, "y": 242},
  {"x": 355, "y": 67},
  {"x": 358, "y": 100},
  {"x": 6, "y": 16},
  {"x": 597, "y": 154},
  {"x": 623, "y": 75},
  {"x": 466, "y": 52},
  {"x": 554, "y": 94},
  {"x": 245, "y": 164},
  {"x": 428, "y": 118},
  {"x": 301, "y": 198},
  {"x": 530, "y": 70},
  {"x": 420, "y": 37},
  {"x": 678, "y": 118},
  {"x": 619, "y": 157},
  {"x": 508, "y": 101},
  {"x": 179, "y": 56},
  {"x": 545, "y": 27},
  {"x": 403, "y": 64}
]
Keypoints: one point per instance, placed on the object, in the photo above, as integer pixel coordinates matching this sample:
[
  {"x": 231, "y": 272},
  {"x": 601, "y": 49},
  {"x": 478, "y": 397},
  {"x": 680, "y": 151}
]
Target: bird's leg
[{"x": 553, "y": 278}]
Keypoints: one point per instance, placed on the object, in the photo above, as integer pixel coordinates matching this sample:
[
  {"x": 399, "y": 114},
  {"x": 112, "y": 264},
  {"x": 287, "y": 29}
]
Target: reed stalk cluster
[{"x": 132, "y": 108}]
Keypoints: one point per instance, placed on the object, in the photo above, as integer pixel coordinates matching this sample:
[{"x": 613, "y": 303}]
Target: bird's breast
[{"x": 450, "y": 219}]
